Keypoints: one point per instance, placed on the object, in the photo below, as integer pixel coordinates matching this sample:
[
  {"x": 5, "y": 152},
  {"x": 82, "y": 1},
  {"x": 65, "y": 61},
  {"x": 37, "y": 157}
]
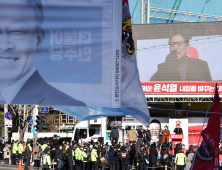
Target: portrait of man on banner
[{"x": 21, "y": 41}]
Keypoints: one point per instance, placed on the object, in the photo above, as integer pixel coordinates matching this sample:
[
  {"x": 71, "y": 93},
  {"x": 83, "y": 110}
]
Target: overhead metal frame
[
  {"x": 179, "y": 98},
  {"x": 148, "y": 12}
]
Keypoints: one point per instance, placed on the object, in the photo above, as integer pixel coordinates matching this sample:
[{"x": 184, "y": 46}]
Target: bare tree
[{"x": 22, "y": 114}]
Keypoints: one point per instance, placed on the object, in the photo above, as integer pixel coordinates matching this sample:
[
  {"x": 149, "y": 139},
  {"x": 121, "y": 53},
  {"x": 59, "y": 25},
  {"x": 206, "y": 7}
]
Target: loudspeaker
[{"x": 101, "y": 140}]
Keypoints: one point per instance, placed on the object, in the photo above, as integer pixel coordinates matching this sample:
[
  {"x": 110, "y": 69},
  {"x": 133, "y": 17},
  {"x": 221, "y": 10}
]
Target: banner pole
[{"x": 200, "y": 134}]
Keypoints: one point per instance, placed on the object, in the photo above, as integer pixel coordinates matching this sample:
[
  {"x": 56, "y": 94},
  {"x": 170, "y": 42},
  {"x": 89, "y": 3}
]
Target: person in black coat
[
  {"x": 142, "y": 158},
  {"x": 114, "y": 135},
  {"x": 27, "y": 156},
  {"x": 124, "y": 158},
  {"x": 132, "y": 154},
  {"x": 178, "y": 130},
  {"x": 60, "y": 157},
  {"x": 1, "y": 150},
  {"x": 153, "y": 155},
  {"x": 165, "y": 159},
  {"x": 177, "y": 149},
  {"x": 69, "y": 156}
]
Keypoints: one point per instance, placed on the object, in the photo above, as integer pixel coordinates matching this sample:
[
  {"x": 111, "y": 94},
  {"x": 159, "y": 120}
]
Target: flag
[
  {"x": 207, "y": 157},
  {"x": 133, "y": 101}
]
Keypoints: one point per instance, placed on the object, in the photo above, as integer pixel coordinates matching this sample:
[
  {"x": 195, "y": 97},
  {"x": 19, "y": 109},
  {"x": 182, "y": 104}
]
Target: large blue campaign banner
[
  {"x": 133, "y": 101},
  {"x": 55, "y": 52}
]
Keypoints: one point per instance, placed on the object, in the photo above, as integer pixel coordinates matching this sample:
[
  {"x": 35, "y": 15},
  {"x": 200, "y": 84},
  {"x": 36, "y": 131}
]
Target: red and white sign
[
  {"x": 176, "y": 136},
  {"x": 180, "y": 87}
]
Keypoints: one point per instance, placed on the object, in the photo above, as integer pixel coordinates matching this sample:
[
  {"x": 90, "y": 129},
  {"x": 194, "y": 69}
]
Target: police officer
[
  {"x": 20, "y": 150},
  {"x": 124, "y": 158},
  {"x": 165, "y": 159},
  {"x": 85, "y": 156},
  {"x": 44, "y": 146},
  {"x": 14, "y": 152},
  {"x": 46, "y": 160},
  {"x": 180, "y": 160},
  {"x": 142, "y": 158},
  {"x": 94, "y": 157},
  {"x": 77, "y": 155}
]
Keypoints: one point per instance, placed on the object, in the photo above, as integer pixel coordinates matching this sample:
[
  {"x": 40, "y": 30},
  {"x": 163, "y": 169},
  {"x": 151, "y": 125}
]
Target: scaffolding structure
[{"x": 148, "y": 12}]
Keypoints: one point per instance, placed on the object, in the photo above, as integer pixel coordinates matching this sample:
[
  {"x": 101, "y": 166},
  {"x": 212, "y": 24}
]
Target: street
[{"x": 7, "y": 168}]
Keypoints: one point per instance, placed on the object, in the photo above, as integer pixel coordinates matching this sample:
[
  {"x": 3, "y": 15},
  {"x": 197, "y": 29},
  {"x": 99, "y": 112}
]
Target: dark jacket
[
  {"x": 197, "y": 70},
  {"x": 114, "y": 133},
  {"x": 124, "y": 157},
  {"x": 153, "y": 155},
  {"x": 27, "y": 153},
  {"x": 165, "y": 158},
  {"x": 59, "y": 154},
  {"x": 141, "y": 156},
  {"x": 176, "y": 150},
  {"x": 69, "y": 153},
  {"x": 178, "y": 131},
  {"x": 37, "y": 91},
  {"x": 112, "y": 156},
  {"x": 148, "y": 135},
  {"x": 132, "y": 150},
  {"x": 140, "y": 133}
]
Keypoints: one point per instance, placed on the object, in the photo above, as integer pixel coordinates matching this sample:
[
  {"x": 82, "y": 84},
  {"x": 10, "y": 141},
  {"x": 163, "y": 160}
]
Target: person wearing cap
[
  {"x": 27, "y": 156},
  {"x": 94, "y": 157},
  {"x": 37, "y": 155},
  {"x": 180, "y": 160},
  {"x": 14, "y": 151},
  {"x": 142, "y": 158},
  {"x": 124, "y": 158},
  {"x": 46, "y": 159}
]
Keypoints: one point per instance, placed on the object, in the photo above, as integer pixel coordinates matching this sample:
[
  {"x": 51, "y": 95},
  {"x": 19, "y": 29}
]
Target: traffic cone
[
  {"x": 165, "y": 167},
  {"x": 20, "y": 165}
]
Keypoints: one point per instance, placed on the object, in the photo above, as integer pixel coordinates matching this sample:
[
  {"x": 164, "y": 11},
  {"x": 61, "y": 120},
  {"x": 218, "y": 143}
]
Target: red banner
[
  {"x": 207, "y": 156},
  {"x": 180, "y": 87}
]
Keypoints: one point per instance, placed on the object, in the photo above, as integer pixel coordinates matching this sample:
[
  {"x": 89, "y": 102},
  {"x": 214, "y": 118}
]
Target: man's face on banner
[
  {"x": 19, "y": 39},
  {"x": 155, "y": 130},
  {"x": 178, "y": 46}
]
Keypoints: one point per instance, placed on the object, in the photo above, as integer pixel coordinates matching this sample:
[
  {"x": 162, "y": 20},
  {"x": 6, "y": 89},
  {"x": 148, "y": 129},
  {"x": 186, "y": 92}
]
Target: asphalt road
[{"x": 8, "y": 168}]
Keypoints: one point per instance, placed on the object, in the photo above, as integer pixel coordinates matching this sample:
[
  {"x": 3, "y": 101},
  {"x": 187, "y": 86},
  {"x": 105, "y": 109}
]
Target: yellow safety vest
[
  {"x": 180, "y": 159},
  {"x": 20, "y": 148},
  {"x": 94, "y": 155},
  {"x": 43, "y": 147},
  {"x": 84, "y": 155},
  {"x": 46, "y": 159},
  {"x": 14, "y": 148},
  {"x": 77, "y": 154}
]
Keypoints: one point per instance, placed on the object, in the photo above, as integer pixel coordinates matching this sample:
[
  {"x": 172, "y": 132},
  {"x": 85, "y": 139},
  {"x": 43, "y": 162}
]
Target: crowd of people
[{"x": 140, "y": 154}]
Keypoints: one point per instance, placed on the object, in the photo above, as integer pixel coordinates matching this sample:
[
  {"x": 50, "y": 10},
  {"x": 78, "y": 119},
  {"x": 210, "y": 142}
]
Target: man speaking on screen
[
  {"x": 21, "y": 39},
  {"x": 180, "y": 67}
]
